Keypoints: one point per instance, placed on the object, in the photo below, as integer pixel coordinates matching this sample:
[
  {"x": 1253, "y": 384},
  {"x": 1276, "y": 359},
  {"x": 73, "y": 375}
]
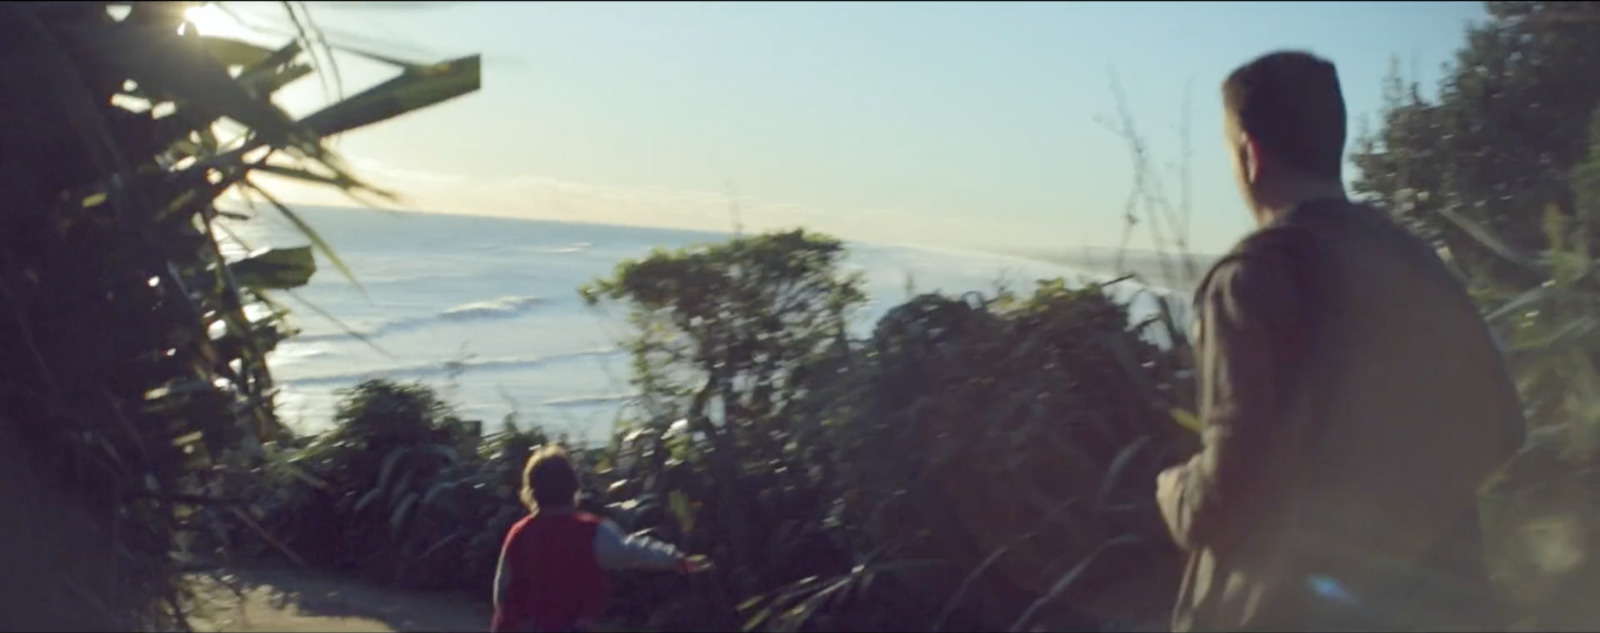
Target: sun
[{"x": 211, "y": 21}]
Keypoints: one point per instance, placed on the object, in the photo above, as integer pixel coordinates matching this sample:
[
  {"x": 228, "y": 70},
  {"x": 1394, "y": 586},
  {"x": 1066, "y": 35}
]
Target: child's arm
[
  {"x": 507, "y": 617},
  {"x": 616, "y": 551},
  {"x": 502, "y": 581}
]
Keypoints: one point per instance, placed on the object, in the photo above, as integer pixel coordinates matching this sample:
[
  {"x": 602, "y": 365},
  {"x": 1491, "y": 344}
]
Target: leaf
[
  {"x": 1114, "y": 472},
  {"x": 435, "y": 491},
  {"x": 294, "y": 173},
  {"x": 1067, "y": 580},
  {"x": 275, "y": 269},
  {"x": 267, "y": 536},
  {"x": 188, "y": 438},
  {"x": 1521, "y": 302},
  {"x": 233, "y": 52},
  {"x": 267, "y": 84},
  {"x": 386, "y": 469},
  {"x": 300, "y": 473},
  {"x": 442, "y": 542},
  {"x": 1187, "y": 420},
  {"x": 1489, "y": 240},
  {"x": 276, "y": 71},
  {"x": 343, "y": 328},
  {"x": 414, "y": 90},
  {"x": 759, "y": 617},
  {"x": 400, "y": 513},
  {"x": 367, "y": 499},
  {"x": 448, "y": 453},
  {"x": 310, "y": 234},
  {"x": 1574, "y": 329},
  {"x": 72, "y": 94},
  {"x": 197, "y": 82},
  {"x": 679, "y": 503}
]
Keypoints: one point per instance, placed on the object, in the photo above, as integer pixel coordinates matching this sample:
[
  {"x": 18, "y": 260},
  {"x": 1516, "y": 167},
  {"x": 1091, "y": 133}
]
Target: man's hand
[
  {"x": 1169, "y": 487},
  {"x": 1167, "y": 482}
]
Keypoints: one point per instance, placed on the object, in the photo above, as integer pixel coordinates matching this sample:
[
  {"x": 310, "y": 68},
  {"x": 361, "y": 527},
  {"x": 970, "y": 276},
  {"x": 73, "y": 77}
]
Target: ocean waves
[
  {"x": 588, "y": 401},
  {"x": 491, "y": 309},
  {"x": 494, "y": 309},
  {"x": 436, "y": 288},
  {"x": 438, "y": 369}
]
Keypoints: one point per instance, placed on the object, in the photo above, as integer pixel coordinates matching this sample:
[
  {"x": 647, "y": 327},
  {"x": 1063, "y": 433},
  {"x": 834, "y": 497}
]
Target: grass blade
[
  {"x": 1069, "y": 579},
  {"x": 412, "y": 91},
  {"x": 275, "y": 269},
  {"x": 310, "y": 234},
  {"x": 1489, "y": 240},
  {"x": 231, "y": 52},
  {"x": 1187, "y": 420},
  {"x": 1118, "y": 467}
]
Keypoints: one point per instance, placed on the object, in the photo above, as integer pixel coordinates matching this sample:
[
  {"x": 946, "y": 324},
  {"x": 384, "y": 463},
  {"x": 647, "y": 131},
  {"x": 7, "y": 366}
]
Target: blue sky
[{"x": 961, "y": 124}]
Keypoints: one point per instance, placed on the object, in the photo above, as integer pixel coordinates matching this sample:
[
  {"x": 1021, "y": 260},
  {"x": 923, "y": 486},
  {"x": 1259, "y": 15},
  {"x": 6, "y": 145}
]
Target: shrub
[{"x": 902, "y": 462}]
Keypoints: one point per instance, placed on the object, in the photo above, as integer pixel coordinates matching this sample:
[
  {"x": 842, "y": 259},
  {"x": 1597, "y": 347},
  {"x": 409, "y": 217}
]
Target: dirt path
[{"x": 290, "y": 600}]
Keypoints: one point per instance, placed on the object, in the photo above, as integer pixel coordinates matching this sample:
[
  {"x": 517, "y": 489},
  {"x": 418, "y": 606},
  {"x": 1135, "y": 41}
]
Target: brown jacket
[{"x": 1354, "y": 401}]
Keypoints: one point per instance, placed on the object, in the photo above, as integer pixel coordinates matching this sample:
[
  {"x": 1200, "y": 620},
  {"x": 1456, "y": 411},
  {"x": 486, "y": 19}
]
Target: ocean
[{"x": 486, "y": 309}]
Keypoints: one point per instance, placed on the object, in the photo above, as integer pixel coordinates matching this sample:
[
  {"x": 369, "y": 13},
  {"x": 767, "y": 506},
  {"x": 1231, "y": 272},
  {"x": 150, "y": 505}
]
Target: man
[
  {"x": 1354, "y": 400},
  {"x": 553, "y": 563}
]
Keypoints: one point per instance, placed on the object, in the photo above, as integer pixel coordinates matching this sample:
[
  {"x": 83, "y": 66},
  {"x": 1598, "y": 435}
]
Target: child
[{"x": 552, "y": 573}]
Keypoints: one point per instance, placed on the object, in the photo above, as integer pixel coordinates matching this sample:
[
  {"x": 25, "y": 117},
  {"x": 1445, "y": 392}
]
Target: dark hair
[
  {"x": 549, "y": 480},
  {"x": 1290, "y": 104}
]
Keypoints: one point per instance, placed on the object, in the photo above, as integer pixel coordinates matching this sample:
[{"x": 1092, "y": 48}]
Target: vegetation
[
  {"x": 913, "y": 478},
  {"x": 981, "y": 461},
  {"x": 1500, "y": 169},
  {"x": 138, "y": 352}
]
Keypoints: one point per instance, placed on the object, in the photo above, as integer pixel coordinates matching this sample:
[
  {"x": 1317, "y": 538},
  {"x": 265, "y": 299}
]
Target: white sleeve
[
  {"x": 616, "y": 551},
  {"x": 502, "y": 577}
]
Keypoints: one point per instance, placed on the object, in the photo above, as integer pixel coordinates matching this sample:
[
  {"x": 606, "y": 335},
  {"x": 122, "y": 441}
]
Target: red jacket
[{"x": 556, "y": 582}]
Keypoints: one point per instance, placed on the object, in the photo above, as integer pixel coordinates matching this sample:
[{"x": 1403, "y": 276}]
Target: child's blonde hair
[{"x": 549, "y": 479}]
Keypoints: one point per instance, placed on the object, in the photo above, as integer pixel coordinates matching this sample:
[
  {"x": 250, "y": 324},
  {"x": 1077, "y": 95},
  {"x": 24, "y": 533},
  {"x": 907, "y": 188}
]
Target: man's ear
[{"x": 1249, "y": 158}]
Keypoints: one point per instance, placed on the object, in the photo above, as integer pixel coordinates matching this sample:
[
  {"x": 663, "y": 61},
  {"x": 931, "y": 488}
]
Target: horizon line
[{"x": 1033, "y": 253}]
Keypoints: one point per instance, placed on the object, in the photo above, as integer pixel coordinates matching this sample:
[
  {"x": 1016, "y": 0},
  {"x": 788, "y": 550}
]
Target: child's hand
[{"x": 693, "y": 564}]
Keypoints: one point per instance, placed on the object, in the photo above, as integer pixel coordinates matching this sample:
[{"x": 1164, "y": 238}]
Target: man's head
[
  {"x": 1284, "y": 123},
  {"x": 549, "y": 479}
]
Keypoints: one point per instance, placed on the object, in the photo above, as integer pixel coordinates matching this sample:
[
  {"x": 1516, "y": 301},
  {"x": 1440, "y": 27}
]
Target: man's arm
[
  {"x": 616, "y": 551},
  {"x": 1252, "y": 333}
]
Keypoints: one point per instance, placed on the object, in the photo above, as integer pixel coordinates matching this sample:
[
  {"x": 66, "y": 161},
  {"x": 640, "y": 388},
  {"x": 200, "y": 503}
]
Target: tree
[
  {"x": 137, "y": 351},
  {"x": 1500, "y": 141},
  {"x": 750, "y": 324},
  {"x": 1503, "y": 168}
]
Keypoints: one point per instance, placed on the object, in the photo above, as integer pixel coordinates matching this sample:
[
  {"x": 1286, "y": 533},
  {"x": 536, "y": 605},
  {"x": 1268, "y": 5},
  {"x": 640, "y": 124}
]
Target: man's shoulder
[
  {"x": 1276, "y": 241},
  {"x": 1270, "y": 247}
]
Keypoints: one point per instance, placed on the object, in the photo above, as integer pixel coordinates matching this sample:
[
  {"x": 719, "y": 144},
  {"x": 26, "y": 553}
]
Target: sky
[{"x": 944, "y": 123}]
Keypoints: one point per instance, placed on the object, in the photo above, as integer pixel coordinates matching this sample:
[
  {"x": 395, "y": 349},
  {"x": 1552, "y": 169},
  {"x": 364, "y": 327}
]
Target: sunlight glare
[{"x": 211, "y": 21}]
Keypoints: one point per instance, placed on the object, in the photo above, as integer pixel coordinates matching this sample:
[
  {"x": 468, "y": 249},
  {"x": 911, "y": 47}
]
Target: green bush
[
  {"x": 821, "y": 468},
  {"x": 1543, "y": 520},
  {"x": 1038, "y": 424}
]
